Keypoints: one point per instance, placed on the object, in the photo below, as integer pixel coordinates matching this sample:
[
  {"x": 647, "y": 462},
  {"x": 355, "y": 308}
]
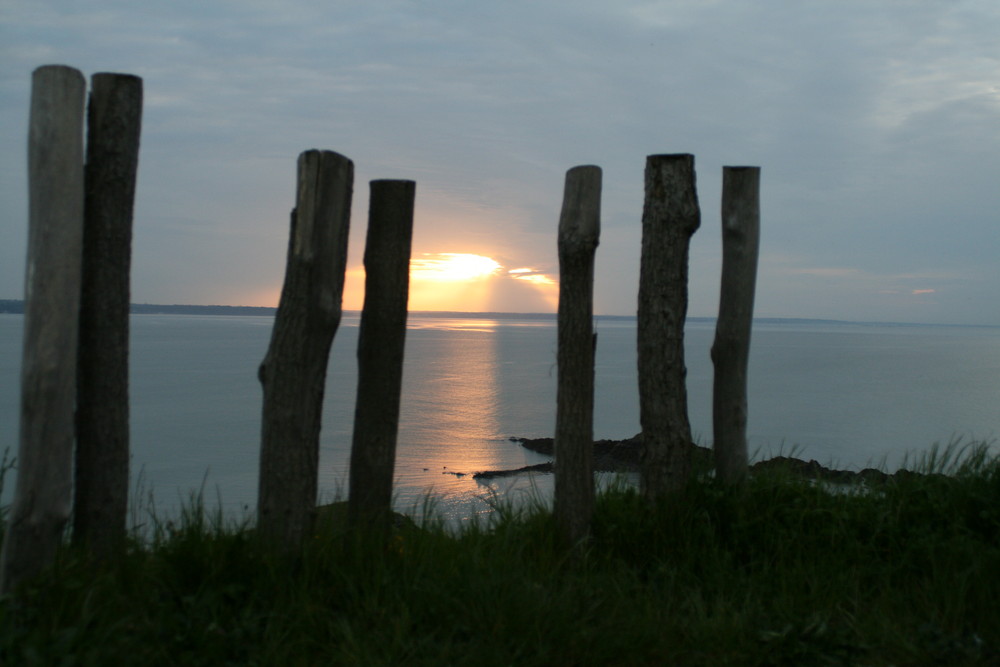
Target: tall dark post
[
  {"x": 731, "y": 349},
  {"x": 293, "y": 373},
  {"x": 670, "y": 217},
  {"x": 44, "y": 491},
  {"x": 114, "y": 119},
  {"x": 579, "y": 233},
  {"x": 380, "y": 352}
]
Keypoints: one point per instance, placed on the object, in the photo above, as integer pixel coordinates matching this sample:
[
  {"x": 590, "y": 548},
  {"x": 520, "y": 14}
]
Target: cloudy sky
[{"x": 876, "y": 124}]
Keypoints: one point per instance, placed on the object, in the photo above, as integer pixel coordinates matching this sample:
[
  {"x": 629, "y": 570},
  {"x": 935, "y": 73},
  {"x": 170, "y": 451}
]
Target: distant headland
[{"x": 12, "y": 306}]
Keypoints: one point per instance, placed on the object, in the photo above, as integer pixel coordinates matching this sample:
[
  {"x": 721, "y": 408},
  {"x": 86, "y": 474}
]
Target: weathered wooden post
[
  {"x": 114, "y": 118},
  {"x": 44, "y": 490},
  {"x": 293, "y": 373},
  {"x": 731, "y": 349},
  {"x": 380, "y": 352},
  {"x": 670, "y": 217},
  {"x": 579, "y": 232}
]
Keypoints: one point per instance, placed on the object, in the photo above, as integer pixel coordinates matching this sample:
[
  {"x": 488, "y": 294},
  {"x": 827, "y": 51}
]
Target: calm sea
[{"x": 851, "y": 395}]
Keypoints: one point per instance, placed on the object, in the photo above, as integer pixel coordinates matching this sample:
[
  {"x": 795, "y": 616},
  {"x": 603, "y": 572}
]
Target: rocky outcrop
[
  {"x": 623, "y": 456},
  {"x": 612, "y": 455},
  {"x": 609, "y": 455},
  {"x": 490, "y": 474}
]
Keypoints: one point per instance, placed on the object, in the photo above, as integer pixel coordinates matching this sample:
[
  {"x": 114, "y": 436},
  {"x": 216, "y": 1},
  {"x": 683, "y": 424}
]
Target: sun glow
[
  {"x": 466, "y": 282},
  {"x": 453, "y": 267}
]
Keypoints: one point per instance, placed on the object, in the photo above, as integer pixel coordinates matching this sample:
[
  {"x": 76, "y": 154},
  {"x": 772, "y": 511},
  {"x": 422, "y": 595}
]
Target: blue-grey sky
[{"x": 876, "y": 124}]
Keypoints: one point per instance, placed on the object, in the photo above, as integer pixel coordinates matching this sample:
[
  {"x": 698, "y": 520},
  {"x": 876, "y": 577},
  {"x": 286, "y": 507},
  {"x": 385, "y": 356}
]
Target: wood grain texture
[
  {"x": 579, "y": 235},
  {"x": 293, "y": 373},
  {"x": 44, "y": 491},
  {"x": 670, "y": 217},
  {"x": 731, "y": 348},
  {"x": 381, "y": 342},
  {"x": 114, "y": 120}
]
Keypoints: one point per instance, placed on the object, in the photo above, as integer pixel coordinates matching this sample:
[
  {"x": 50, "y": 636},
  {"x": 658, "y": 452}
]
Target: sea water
[{"x": 849, "y": 395}]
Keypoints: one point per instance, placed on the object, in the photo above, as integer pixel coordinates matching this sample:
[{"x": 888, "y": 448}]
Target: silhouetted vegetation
[{"x": 783, "y": 571}]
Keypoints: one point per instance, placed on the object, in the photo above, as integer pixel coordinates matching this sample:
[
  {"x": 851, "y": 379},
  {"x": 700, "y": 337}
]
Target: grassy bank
[{"x": 783, "y": 572}]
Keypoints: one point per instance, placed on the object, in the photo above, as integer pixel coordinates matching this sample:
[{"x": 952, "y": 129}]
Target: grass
[{"x": 781, "y": 572}]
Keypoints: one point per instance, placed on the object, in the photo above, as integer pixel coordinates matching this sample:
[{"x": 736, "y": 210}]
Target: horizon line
[{"x": 16, "y": 306}]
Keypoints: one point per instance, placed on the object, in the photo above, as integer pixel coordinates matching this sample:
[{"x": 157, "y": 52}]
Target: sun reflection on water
[{"x": 455, "y": 370}]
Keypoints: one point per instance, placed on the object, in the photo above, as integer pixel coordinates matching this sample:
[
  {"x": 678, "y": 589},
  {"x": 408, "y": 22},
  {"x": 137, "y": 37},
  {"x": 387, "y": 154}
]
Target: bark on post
[
  {"x": 293, "y": 373},
  {"x": 114, "y": 119},
  {"x": 44, "y": 490},
  {"x": 670, "y": 217},
  {"x": 380, "y": 352},
  {"x": 731, "y": 349},
  {"x": 579, "y": 232}
]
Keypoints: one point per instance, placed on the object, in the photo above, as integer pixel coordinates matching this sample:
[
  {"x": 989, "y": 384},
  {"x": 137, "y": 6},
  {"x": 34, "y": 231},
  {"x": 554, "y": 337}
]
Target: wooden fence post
[
  {"x": 731, "y": 349},
  {"x": 380, "y": 352},
  {"x": 44, "y": 490},
  {"x": 670, "y": 217},
  {"x": 293, "y": 373},
  {"x": 114, "y": 118},
  {"x": 579, "y": 232}
]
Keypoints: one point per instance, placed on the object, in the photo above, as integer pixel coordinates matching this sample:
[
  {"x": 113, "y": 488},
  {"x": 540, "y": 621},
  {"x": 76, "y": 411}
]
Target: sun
[
  {"x": 453, "y": 267},
  {"x": 469, "y": 283}
]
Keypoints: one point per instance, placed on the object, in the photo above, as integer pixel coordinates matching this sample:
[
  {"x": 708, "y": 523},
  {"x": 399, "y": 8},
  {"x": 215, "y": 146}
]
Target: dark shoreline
[{"x": 623, "y": 456}]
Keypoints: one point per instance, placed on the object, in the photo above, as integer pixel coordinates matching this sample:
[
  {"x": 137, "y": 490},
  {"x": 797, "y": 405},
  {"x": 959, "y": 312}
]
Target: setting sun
[
  {"x": 477, "y": 283},
  {"x": 453, "y": 267},
  {"x": 460, "y": 282}
]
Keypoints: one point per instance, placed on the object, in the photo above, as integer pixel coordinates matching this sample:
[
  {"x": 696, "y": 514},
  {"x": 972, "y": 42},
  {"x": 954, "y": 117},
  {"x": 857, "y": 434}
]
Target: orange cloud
[{"x": 532, "y": 276}]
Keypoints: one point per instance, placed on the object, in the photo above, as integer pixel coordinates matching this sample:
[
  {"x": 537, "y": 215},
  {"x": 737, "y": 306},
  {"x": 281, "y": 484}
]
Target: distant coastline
[
  {"x": 16, "y": 307},
  {"x": 13, "y": 306}
]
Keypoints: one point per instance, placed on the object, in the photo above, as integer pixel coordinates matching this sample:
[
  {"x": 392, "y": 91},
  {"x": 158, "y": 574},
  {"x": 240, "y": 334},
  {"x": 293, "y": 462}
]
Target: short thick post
[
  {"x": 579, "y": 234},
  {"x": 731, "y": 349},
  {"x": 670, "y": 217},
  {"x": 293, "y": 373},
  {"x": 100, "y": 505},
  {"x": 44, "y": 490},
  {"x": 380, "y": 352}
]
